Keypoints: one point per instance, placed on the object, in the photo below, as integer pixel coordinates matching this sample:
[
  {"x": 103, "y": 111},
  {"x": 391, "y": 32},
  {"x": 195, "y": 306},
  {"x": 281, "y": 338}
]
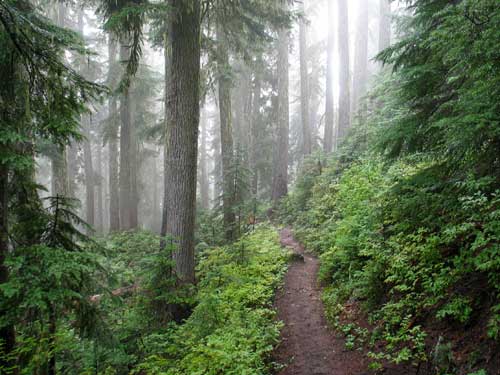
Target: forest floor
[{"x": 309, "y": 346}]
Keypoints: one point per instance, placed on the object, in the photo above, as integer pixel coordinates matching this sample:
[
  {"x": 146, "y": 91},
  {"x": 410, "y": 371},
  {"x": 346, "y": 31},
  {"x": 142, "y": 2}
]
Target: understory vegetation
[
  {"x": 370, "y": 221},
  {"x": 406, "y": 216},
  {"x": 231, "y": 328}
]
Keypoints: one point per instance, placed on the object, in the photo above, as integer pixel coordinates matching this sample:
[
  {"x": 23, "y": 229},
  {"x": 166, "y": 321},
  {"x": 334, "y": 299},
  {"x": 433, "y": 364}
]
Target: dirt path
[{"x": 309, "y": 346}]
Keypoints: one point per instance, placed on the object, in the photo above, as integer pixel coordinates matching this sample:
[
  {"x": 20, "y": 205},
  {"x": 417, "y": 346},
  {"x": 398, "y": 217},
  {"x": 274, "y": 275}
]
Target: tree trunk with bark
[
  {"x": 280, "y": 182},
  {"x": 134, "y": 152},
  {"x": 345, "y": 77},
  {"x": 167, "y": 54},
  {"x": 328, "y": 141},
  {"x": 217, "y": 160},
  {"x": 182, "y": 117},
  {"x": 254, "y": 147},
  {"x": 304, "y": 86},
  {"x": 384, "y": 39},
  {"x": 114, "y": 190},
  {"x": 125, "y": 150},
  {"x": 60, "y": 180},
  {"x": 72, "y": 162},
  {"x": 204, "y": 193},
  {"x": 226, "y": 135},
  {"x": 360, "y": 59},
  {"x": 243, "y": 101},
  {"x": 89, "y": 173},
  {"x": 99, "y": 190}
]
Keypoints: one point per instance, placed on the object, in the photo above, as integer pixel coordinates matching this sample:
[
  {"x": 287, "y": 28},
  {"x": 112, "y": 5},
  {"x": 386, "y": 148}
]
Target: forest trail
[{"x": 309, "y": 346}]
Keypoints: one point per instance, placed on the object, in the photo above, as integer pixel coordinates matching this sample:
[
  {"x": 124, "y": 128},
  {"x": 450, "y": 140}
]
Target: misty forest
[{"x": 250, "y": 187}]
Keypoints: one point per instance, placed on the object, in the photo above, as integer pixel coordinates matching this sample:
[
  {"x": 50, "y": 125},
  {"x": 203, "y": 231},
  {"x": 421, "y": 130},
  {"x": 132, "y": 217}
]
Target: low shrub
[{"x": 232, "y": 329}]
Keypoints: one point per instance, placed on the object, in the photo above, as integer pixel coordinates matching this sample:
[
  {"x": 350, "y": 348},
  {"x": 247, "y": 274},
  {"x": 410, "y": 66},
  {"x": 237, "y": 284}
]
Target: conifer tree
[
  {"x": 183, "y": 96},
  {"x": 329, "y": 105},
  {"x": 344, "y": 113},
  {"x": 304, "y": 84},
  {"x": 41, "y": 99},
  {"x": 280, "y": 181}
]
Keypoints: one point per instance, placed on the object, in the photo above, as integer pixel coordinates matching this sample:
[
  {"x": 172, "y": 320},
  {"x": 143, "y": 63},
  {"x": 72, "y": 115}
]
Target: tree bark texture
[
  {"x": 226, "y": 135},
  {"x": 72, "y": 161},
  {"x": 280, "y": 184},
  {"x": 126, "y": 195},
  {"x": 304, "y": 85},
  {"x": 89, "y": 173},
  {"x": 255, "y": 122},
  {"x": 384, "y": 38},
  {"x": 60, "y": 181},
  {"x": 360, "y": 58},
  {"x": 99, "y": 189},
  {"x": 328, "y": 141},
  {"x": 204, "y": 193},
  {"x": 114, "y": 190},
  {"x": 345, "y": 79},
  {"x": 183, "y": 111}
]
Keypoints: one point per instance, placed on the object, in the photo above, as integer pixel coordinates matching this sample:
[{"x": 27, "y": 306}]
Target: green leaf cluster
[{"x": 232, "y": 329}]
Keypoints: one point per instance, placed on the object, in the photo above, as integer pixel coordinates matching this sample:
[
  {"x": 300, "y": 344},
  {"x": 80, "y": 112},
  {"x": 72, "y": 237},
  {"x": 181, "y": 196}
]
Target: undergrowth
[
  {"x": 232, "y": 329},
  {"x": 407, "y": 244}
]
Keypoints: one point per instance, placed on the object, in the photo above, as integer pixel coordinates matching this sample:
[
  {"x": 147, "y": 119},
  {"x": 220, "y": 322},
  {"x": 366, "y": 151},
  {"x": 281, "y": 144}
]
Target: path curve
[{"x": 309, "y": 346}]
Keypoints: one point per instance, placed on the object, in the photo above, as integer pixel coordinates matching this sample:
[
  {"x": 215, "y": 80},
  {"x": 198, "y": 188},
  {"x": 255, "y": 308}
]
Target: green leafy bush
[
  {"x": 232, "y": 329},
  {"x": 405, "y": 244}
]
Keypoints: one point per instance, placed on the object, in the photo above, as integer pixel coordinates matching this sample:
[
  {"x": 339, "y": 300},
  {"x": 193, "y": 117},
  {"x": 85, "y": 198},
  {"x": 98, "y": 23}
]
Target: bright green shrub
[
  {"x": 232, "y": 329},
  {"x": 401, "y": 240}
]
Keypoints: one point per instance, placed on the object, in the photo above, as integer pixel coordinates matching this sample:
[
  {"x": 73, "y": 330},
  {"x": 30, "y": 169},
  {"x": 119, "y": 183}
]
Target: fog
[{"x": 253, "y": 96}]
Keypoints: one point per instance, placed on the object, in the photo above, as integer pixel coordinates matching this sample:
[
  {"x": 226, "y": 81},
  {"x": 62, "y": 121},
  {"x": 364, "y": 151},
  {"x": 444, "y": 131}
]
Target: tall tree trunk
[
  {"x": 243, "y": 102},
  {"x": 384, "y": 39},
  {"x": 89, "y": 174},
  {"x": 155, "y": 221},
  {"x": 167, "y": 53},
  {"x": 73, "y": 148},
  {"x": 72, "y": 162},
  {"x": 183, "y": 114},
  {"x": 226, "y": 135},
  {"x": 236, "y": 91},
  {"x": 304, "y": 85},
  {"x": 345, "y": 80},
  {"x": 280, "y": 183},
  {"x": 7, "y": 333},
  {"x": 60, "y": 180},
  {"x": 329, "y": 112},
  {"x": 216, "y": 160},
  {"x": 61, "y": 14},
  {"x": 204, "y": 193},
  {"x": 100, "y": 211},
  {"x": 256, "y": 103},
  {"x": 134, "y": 167},
  {"x": 360, "y": 58},
  {"x": 125, "y": 148},
  {"x": 105, "y": 191},
  {"x": 114, "y": 191}
]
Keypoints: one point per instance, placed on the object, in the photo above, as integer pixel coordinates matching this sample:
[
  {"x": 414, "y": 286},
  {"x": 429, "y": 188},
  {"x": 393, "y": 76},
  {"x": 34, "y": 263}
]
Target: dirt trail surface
[{"x": 309, "y": 346}]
